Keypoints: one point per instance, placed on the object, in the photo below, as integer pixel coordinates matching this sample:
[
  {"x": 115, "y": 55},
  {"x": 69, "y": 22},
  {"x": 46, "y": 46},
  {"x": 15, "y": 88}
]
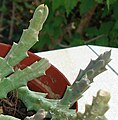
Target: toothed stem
[
  {"x": 29, "y": 36},
  {"x": 33, "y": 100},
  {"x": 36, "y": 101},
  {"x": 21, "y": 77},
  {"x": 98, "y": 108},
  {"x": 40, "y": 115},
  {"x": 7, "y": 117},
  {"x": 5, "y": 69},
  {"x": 59, "y": 109},
  {"x": 85, "y": 77}
]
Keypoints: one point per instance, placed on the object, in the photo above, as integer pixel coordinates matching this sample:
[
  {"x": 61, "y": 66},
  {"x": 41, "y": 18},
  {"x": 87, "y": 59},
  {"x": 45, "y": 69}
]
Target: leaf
[
  {"x": 102, "y": 41},
  {"x": 116, "y": 25},
  {"x": 86, "y": 5},
  {"x": 105, "y": 27},
  {"x": 99, "y": 1},
  {"x": 105, "y": 12},
  {"x": 92, "y": 31},
  {"x": 115, "y": 10},
  {"x": 3, "y": 9},
  {"x": 58, "y": 21},
  {"x": 109, "y": 2},
  {"x": 56, "y": 4},
  {"x": 76, "y": 41},
  {"x": 69, "y": 5}
]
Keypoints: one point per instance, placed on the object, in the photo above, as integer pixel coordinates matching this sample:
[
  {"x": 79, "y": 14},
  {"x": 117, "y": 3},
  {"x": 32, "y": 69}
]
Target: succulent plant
[{"x": 49, "y": 108}]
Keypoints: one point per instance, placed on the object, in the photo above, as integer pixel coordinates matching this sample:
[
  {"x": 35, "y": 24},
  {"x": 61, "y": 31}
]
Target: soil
[{"x": 14, "y": 107}]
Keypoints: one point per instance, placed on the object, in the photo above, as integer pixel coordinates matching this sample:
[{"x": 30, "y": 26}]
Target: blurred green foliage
[{"x": 70, "y": 22}]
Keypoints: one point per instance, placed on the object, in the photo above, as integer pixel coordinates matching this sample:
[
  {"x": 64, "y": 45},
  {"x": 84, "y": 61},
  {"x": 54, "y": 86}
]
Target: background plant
[{"x": 70, "y": 23}]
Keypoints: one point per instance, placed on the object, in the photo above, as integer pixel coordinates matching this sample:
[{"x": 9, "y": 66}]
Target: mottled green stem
[
  {"x": 36, "y": 101},
  {"x": 98, "y": 108},
  {"x": 29, "y": 37},
  {"x": 85, "y": 77},
  {"x": 7, "y": 117},
  {"x": 60, "y": 108},
  {"x": 5, "y": 69},
  {"x": 21, "y": 77},
  {"x": 40, "y": 115}
]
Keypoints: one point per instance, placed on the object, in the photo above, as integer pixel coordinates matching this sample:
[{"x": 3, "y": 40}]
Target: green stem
[
  {"x": 85, "y": 77},
  {"x": 21, "y": 77},
  {"x": 37, "y": 101},
  {"x": 7, "y": 117},
  {"x": 29, "y": 37},
  {"x": 98, "y": 108},
  {"x": 5, "y": 69}
]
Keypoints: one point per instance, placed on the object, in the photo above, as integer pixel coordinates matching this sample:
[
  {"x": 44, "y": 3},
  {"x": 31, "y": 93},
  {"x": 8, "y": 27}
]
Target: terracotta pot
[{"x": 54, "y": 82}]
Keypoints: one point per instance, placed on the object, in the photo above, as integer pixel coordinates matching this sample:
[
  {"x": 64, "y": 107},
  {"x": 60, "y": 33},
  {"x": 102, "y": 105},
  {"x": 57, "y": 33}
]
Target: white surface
[{"x": 69, "y": 61}]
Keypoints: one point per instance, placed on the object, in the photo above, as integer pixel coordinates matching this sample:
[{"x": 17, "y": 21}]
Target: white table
[{"x": 70, "y": 60}]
